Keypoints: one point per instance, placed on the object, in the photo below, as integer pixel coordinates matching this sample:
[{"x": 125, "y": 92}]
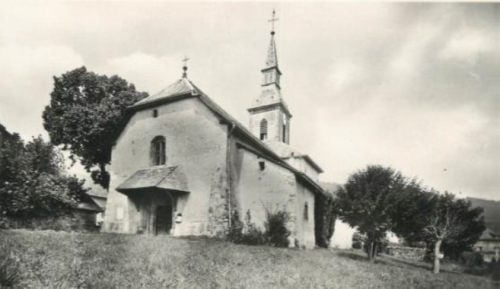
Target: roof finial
[
  {"x": 272, "y": 20},
  {"x": 184, "y": 68}
]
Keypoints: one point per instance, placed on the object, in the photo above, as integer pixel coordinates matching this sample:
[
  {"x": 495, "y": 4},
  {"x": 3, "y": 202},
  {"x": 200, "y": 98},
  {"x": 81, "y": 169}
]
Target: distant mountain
[
  {"x": 491, "y": 212},
  {"x": 330, "y": 188}
]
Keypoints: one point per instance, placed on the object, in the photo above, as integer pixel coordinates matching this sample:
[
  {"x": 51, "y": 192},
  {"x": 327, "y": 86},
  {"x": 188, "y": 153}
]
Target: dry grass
[{"x": 69, "y": 260}]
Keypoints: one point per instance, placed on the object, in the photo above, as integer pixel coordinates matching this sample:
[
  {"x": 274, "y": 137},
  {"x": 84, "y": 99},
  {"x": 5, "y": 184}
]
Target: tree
[
  {"x": 445, "y": 222},
  {"x": 33, "y": 182},
  {"x": 442, "y": 222},
  {"x": 409, "y": 213},
  {"x": 366, "y": 202},
  {"x": 85, "y": 114},
  {"x": 473, "y": 223}
]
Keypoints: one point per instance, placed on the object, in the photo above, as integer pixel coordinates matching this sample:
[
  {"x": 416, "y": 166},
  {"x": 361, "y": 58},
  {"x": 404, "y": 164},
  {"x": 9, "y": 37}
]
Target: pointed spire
[
  {"x": 184, "y": 68},
  {"x": 272, "y": 56}
]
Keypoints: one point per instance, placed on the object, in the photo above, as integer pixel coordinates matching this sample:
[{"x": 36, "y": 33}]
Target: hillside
[
  {"x": 67, "y": 260},
  {"x": 491, "y": 212}
]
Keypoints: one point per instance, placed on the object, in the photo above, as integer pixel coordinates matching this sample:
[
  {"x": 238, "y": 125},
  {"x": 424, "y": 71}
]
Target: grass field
[{"x": 51, "y": 259}]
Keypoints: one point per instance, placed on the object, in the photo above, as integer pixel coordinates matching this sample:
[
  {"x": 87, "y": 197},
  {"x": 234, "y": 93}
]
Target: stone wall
[{"x": 409, "y": 253}]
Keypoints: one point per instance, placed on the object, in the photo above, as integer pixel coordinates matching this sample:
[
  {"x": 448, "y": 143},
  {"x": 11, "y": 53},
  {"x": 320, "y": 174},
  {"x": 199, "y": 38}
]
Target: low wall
[
  {"x": 77, "y": 220},
  {"x": 409, "y": 253}
]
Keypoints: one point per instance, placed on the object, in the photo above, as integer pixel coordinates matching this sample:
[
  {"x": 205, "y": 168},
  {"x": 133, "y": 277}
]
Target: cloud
[
  {"x": 25, "y": 87},
  {"x": 344, "y": 74},
  {"x": 414, "y": 86},
  {"x": 148, "y": 72},
  {"x": 467, "y": 44}
]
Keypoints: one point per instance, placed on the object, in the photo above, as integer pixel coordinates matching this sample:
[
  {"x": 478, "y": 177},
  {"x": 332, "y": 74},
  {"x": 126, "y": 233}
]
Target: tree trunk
[
  {"x": 370, "y": 250},
  {"x": 437, "y": 248},
  {"x": 375, "y": 248}
]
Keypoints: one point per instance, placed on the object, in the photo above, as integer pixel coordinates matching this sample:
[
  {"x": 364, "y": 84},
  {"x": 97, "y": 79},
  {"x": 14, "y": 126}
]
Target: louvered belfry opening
[{"x": 263, "y": 129}]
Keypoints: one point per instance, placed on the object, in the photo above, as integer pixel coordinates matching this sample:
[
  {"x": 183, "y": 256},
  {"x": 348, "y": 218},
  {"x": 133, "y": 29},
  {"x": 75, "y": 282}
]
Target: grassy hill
[{"x": 68, "y": 260}]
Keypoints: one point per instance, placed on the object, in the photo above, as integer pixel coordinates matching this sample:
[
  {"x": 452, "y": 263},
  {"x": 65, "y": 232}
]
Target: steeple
[
  {"x": 271, "y": 72},
  {"x": 272, "y": 56},
  {"x": 269, "y": 114}
]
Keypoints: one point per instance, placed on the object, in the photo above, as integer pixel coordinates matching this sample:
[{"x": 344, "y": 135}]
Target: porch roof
[{"x": 159, "y": 177}]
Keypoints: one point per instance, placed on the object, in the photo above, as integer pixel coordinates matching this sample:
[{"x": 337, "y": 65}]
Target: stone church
[{"x": 183, "y": 166}]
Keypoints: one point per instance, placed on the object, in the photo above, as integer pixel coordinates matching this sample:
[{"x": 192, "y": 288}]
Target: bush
[
  {"x": 325, "y": 215},
  {"x": 245, "y": 232},
  {"x": 276, "y": 233},
  {"x": 472, "y": 259},
  {"x": 495, "y": 271},
  {"x": 358, "y": 240},
  {"x": 10, "y": 273}
]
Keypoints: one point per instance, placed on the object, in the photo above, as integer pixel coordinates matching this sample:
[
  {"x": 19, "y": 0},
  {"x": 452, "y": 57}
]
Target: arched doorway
[{"x": 164, "y": 219}]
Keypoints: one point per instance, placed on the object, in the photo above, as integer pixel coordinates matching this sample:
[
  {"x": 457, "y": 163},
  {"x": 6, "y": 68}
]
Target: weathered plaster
[{"x": 195, "y": 141}]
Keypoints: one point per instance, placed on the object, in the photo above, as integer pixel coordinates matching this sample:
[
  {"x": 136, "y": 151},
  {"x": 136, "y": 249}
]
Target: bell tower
[{"x": 269, "y": 114}]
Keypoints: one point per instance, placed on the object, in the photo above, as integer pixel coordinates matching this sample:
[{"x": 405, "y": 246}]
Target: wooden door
[{"x": 163, "y": 220}]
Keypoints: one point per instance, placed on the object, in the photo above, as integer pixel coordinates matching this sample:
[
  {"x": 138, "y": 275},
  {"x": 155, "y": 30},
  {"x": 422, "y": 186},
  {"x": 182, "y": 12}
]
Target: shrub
[
  {"x": 276, "y": 231},
  {"x": 472, "y": 259},
  {"x": 325, "y": 215},
  {"x": 358, "y": 240},
  {"x": 495, "y": 271},
  {"x": 245, "y": 232},
  {"x": 10, "y": 273}
]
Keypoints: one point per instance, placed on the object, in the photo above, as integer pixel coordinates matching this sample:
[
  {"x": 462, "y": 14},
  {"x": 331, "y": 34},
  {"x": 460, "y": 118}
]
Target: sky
[{"x": 411, "y": 86}]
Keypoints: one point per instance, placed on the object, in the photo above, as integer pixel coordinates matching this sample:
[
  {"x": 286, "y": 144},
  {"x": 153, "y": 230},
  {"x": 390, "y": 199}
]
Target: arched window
[
  {"x": 263, "y": 129},
  {"x": 306, "y": 212},
  {"x": 158, "y": 156}
]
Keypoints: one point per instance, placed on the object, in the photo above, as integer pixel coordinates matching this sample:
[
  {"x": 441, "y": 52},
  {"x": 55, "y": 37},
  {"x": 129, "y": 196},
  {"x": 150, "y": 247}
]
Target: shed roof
[{"x": 490, "y": 235}]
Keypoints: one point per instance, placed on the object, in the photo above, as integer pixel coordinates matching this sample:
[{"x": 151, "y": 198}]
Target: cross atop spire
[
  {"x": 272, "y": 20},
  {"x": 184, "y": 68},
  {"x": 272, "y": 57}
]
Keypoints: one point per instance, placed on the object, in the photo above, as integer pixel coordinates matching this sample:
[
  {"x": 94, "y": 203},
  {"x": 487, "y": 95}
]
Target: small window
[
  {"x": 263, "y": 129},
  {"x": 284, "y": 133},
  {"x": 158, "y": 154},
  {"x": 306, "y": 212},
  {"x": 262, "y": 165},
  {"x": 155, "y": 113}
]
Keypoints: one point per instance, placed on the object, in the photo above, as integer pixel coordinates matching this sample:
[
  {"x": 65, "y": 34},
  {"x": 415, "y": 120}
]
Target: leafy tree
[
  {"x": 11, "y": 169},
  {"x": 33, "y": 181},
  {"x": 442, "y": 222},
  {"x": 366, "y": 202},
  {"x": 85, "y": 114},
  {"x": 446, "y": 223},
  {"x": 409, "y": 213},
  {"x": 473, "y": 226}
]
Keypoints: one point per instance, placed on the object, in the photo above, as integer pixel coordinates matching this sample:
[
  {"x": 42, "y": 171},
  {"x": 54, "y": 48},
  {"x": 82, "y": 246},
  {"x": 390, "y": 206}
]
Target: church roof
[
  {"x": 184, "y": 88},
  {"x": 161, "y": 177},
  {"x": 285, "y": 151},
  {"x": 181, "y": 87}
]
